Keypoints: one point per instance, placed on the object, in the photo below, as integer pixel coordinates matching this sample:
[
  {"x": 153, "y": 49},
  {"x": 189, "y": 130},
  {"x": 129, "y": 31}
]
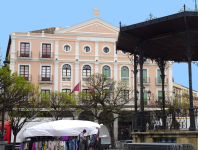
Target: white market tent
[{"x": 60, "y": 128}]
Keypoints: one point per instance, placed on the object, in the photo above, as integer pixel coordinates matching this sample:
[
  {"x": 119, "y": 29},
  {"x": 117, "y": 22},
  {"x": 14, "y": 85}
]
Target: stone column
[
  {"x": 115, "y": 55},
  {"x": 115, "y": 127},
  {"x": 77, "y": 50},
  {"x": 13, "y": 48},
  {"x": 96, "y": 67},
  {"x": 96, "y": 51},
  {"x": 76, "y": 75},
  {"x": 56, "y": 49},
  {"x": 56, "y": 77},
  {"x": 116, "y": 71}
]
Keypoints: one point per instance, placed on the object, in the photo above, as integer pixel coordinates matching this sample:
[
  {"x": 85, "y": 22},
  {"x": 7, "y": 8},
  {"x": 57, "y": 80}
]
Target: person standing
[
  {"x": 82, "y": 139},
  {"x": 93, "y": 138}
]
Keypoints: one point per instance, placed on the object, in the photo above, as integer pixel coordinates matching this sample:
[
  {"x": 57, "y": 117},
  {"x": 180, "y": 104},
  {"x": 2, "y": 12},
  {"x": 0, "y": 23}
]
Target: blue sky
[{"x": 28, "y": 15}]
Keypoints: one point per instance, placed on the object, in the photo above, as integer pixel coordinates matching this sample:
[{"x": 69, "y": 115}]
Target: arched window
[
  {"x": 125, "y": 73},
  {"x": 106, "y": 71},
  {"x": 86, "y": 70},
  {"x": 66, "y": 72}
]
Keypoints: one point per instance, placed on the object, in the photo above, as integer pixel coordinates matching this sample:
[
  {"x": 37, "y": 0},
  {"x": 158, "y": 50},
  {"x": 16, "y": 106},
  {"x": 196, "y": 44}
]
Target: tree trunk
[{"x": 111, "y": 133}]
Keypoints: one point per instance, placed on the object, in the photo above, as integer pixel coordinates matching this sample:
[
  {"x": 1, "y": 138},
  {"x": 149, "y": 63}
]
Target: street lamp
[
  {"x": 6, "y": 62},
  {"x": 149, "y": 94}
]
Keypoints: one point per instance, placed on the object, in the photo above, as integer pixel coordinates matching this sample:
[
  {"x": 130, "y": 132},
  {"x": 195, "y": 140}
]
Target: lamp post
[
  {"x": 6, "y": 62},
  {"x": 149, "y": 94}
]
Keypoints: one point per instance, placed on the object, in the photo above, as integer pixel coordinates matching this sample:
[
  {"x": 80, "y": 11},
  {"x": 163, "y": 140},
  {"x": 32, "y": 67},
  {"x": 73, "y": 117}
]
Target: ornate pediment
[{"x": 93, "y": 26}]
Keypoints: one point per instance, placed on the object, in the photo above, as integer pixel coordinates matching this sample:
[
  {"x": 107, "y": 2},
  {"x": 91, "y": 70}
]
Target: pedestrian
[
  {"x": 93, "y": 138},
  {"x": 82, "y": 140}
]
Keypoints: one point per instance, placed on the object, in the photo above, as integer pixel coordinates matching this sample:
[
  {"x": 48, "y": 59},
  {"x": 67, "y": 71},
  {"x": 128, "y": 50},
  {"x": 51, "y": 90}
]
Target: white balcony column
[
  {"x": 12, "y": 47},
  {"x": 56, "y": 76},
  {"x": 115, "y": 127},
  {"x": 96, "y": 67},
  {"x": 170, "y": 81},
  {"x": 116, "y": 71},
  {"x": 76, "y": 75},
  {"x": 12, "y": 64},
  {"x": 56, "y": 49},
  {"x": 77, "y": 50},
  {"x": 115, "y": 55},
  {"x": 96, "y": 50}
]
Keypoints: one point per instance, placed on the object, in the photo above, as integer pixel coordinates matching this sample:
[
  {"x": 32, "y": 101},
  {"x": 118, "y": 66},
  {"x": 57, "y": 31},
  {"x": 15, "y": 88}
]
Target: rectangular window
[
  {"x": 159, "y": 79},
  {"x": 24, "y": 72},
  {"x": 145, "y": 76},
  {"x": 25, "y": 50},
  {"x": 46, "y": 50},
  {"x": 159, "y": 95},
  {"x": 66, "y": 90},
  {"x": 46, "y": 73}
]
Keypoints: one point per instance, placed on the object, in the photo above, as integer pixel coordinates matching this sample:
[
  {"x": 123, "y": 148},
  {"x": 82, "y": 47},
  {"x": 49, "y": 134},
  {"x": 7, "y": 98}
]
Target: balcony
[
  {"x": 45, "y": 79},
  {"x": 125, "y": 79},
  {"x": 66, "y": 78},
  {"x": 178, "y": 95},
  {"x": 47, "y": 55},
  {"x": 158, "y": 81},
  {"x": 27, "y": 77},
  {"x": 146, "y": 80},
  {"x": 24, "y": 55}
]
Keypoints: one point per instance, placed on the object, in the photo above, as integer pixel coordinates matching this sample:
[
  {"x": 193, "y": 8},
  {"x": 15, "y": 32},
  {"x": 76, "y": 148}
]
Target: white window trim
[
  {"x": 143, "y": 68},
  {"x": 110, "y": 70},
  {"x": 62, "y": 73},
  {"x": 41, "y": 43},
  {"x": 24, "y": 65},
  {"x": 46, "y": 88},
  {"x": 69, "y": 46},
  {"x": 41, "y": 65},
  {"x": 66, "y": 88},
  {"x": 160, "y": 89},
  {"x": 19, "y": 47},
  {"x": 82, "y": 70},
  {"x": 89, "y": 47},
  {"x": 146, "y": 89},
  {"x": 107, "y": 47}
]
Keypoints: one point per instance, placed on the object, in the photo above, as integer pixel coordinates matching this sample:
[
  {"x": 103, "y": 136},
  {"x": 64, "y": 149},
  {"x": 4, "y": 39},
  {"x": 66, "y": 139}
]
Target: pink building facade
[{"x": 59, "y": 58}]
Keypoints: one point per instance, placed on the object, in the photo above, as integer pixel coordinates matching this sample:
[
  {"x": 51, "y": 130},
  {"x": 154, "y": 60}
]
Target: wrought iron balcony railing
[
  {"x": 66, "y": 78},
  {"x": 46, "y": 78},
  {"x": 24, "y": 54},
  {"x": 158, "y": 80},
  {"x": 46, "y": 55},
  {"x": 27, "y": 77},
  {"x": 146, "y": 80},
  {"x": 126, "y": 79}
]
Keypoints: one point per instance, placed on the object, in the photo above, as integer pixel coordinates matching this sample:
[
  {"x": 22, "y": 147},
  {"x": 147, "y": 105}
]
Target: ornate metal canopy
[{"x": 164, "y": 37}]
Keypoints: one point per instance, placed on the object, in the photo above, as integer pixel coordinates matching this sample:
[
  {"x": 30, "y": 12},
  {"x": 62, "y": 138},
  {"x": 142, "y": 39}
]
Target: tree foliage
[
  {"x": 106, "y": 99},
  {"x": 58, "y": 104}
]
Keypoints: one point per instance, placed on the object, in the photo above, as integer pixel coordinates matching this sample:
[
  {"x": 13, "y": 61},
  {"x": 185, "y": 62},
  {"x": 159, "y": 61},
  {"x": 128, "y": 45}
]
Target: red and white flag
[{"x": 76, "y": 88}]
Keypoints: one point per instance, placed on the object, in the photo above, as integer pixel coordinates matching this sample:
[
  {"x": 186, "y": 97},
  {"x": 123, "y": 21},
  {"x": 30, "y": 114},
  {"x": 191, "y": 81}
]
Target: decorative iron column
[
  {"x": 135, "y": 80},
  {"x": 189, "y": 56},
  {"x": 162, "y": 63},
  {"x": 141, "y": 62}
]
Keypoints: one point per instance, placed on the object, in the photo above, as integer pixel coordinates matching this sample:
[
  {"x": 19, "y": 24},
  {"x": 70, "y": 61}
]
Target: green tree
[
  {"x": 58, "y": 104},
  {"x": 106, "y": 98}
]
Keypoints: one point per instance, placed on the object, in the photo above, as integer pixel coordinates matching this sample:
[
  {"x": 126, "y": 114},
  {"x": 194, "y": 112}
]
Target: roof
[
  {"x": 46, "y": 30},
  {"x": 162, "y": 37}
]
